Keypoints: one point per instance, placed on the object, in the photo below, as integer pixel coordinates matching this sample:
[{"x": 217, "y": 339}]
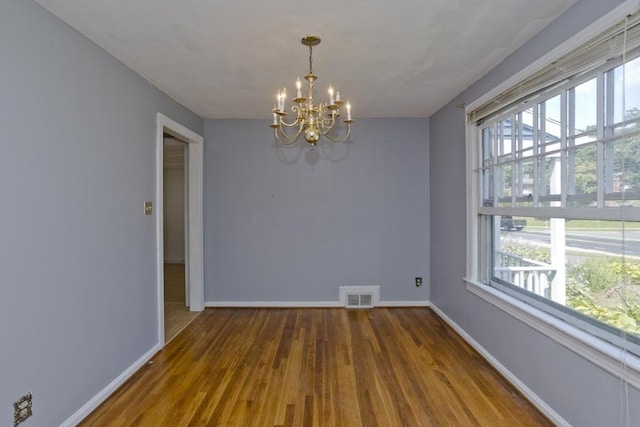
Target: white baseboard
[
  {"x": 403, "y": 304},
  {"x": 515, "y": 381},
  {"x": 96, "y": 400},
  {"x": 274, "y": 304},
  {"x": 308, "y": 304}
]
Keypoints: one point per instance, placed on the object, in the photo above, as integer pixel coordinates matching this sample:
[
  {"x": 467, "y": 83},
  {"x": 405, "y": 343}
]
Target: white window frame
[{"x": 612, "y": 358}]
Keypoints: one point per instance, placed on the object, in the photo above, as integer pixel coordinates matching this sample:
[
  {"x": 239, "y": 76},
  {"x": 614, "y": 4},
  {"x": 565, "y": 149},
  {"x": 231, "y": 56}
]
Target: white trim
[
  {"x": 196, "y": 227},
  {"x": 607, "y": 356},
  {"x": 194, "y": 249},
  {"x": 515, "y": 381},
  {"x": 472, "y": 186},
  {"x": 185, "y": 218},
  {"x": 267, "y": 304},
  {"x": 160, "y": 227},
  {"x": 308, "y": 304},
  {"x": 602, "y": 24},
  {"x": 404, "y": 303},
  {"x": 96, "y": 400}
]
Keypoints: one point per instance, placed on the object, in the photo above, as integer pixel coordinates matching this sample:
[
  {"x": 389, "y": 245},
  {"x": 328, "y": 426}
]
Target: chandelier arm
[
  {"x": 343, "y": 139},
  {"x": 330, "y": 120},
  {"x": 320, "y": 114},
  {"x": 297, "y": 121},
  {"x": 288, "y": 139},
  {"x": 327, "y": 115},
  {"x": 325, "y": 130},
  {"x": 292, "y": 124},
  {"x": 326, "y": 124},
  {"x": 285, "y": 142}
]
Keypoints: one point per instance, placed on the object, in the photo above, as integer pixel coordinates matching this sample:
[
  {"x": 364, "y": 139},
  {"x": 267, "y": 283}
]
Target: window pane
[
  {"x": 582, "y": 139},
  {"x": 622, "y": 171},
  {"x": 550, "y": 180},
  {"x": 592, "y": 267},
  {"x": 603, "y": 271},
  {"x": 504, "y": 143},
  {"x": 551, "y": 121},
  {"x": 504, "y": 179},
  {"x": 524, "y": 183},
  {"x": 521, "y": 254},
  {"x": 488, "y": 142},
  {"x": 623, "y": 97},
  {"x": 582, "y": 107},
  {"x": 504, "y": 168},
  {"x": 549, "y": 128},
  {"x": 524, "y": 133},
  {"x": 582, "y": 176}
]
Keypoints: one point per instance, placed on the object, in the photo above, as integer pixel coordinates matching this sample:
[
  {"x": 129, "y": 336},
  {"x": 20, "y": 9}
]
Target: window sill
[{"x": 613, "y": 359}]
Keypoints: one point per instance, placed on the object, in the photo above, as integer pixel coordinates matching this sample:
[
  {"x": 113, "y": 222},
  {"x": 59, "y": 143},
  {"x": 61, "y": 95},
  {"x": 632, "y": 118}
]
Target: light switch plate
[
  {"x": 148, "y": 208},
  {"x": 22, "y": 409}
]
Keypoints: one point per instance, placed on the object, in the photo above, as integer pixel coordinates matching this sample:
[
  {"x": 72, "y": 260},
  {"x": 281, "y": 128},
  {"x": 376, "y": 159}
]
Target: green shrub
[
  {"x": 600, "y": 287},
  {"x": 630, "y": 270},
  {"x": 597, "y": 273}
]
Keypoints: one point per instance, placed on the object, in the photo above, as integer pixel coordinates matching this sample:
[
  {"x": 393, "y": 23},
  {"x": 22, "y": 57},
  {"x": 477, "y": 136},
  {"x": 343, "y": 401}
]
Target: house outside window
[{"x": 554, "y": 174}]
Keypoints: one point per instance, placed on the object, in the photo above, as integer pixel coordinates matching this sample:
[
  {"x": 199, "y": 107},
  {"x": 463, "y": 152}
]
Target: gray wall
[
  {"x": 77, "y": 255},
  {"x": 282, "y": 224},
  {"x": 580, "y": 392}
]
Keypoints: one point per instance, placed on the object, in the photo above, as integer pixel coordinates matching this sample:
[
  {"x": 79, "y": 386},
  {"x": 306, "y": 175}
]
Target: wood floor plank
[{"x": 317, "y": 367}]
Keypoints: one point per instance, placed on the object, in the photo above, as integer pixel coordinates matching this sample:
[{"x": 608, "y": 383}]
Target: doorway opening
[
  {"x": 179, "y": 227},
  {"x": 176, "y": 304}
]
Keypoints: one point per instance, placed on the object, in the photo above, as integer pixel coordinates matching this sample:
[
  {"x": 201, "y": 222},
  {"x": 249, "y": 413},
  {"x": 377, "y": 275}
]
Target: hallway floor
[{"x": 176, "y": 313}]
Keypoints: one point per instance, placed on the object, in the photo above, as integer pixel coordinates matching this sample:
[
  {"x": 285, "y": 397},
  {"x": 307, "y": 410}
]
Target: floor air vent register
[
  {"x": 359, "y": 296},
  {"x": 359, "y": 301}
]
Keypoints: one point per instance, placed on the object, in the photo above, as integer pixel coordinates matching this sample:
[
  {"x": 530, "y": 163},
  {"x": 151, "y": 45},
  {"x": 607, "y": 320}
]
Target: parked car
[{"x": 508, "y": 223}]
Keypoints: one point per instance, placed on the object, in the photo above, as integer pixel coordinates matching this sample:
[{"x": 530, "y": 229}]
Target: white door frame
[{"x": 194, "y": 242}]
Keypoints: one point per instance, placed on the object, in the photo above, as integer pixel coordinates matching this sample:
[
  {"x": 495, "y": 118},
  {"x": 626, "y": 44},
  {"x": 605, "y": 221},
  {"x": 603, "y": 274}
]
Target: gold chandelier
[{"x": 311, "y": 121}]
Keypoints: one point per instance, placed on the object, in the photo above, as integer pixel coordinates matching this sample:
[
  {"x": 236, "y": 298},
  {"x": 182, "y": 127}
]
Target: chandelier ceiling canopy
[{"x": 311, "y": 120}]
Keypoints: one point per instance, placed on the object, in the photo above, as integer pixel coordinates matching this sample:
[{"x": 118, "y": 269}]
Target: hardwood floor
[
  {"x": 317, "y": 367},
  {"x": 176, "y": 313}
]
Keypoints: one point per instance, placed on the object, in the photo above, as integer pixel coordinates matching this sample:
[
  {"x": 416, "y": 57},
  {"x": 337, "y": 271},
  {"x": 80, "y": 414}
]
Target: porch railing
[{"x": 524, "y": 273}]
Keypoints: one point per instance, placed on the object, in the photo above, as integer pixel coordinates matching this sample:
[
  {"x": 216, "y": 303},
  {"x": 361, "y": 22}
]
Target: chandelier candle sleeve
[
  {"x": 284, "y": 98},
  {"x": 311, "y": 121}
]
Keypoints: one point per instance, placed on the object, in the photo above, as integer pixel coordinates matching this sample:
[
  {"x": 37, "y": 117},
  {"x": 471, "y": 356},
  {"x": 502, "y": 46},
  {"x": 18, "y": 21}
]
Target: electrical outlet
[
  {"x": 418, "y": 282},
  {"x": 22, "y": 409}
]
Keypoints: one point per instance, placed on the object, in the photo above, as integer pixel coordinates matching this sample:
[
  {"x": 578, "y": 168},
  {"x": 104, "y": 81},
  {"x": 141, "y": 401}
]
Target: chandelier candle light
[{"x": 311, "y": 121}]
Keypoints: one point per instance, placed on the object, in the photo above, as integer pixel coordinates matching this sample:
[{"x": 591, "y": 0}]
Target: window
[{"x": 555, "y": 175}]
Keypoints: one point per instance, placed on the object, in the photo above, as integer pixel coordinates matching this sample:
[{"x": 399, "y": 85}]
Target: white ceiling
[{"x": 227, "y": 58}]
